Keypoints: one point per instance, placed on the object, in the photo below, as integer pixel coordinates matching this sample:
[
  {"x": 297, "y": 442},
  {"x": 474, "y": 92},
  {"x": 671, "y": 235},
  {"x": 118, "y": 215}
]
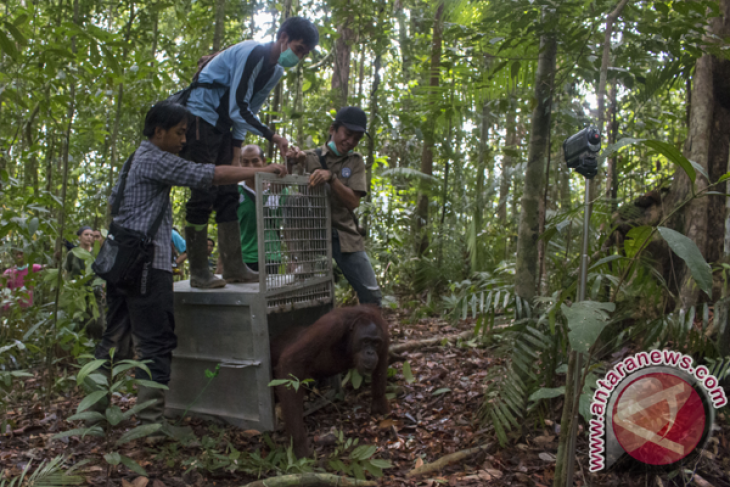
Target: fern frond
[{"x": 46, "y": 475}]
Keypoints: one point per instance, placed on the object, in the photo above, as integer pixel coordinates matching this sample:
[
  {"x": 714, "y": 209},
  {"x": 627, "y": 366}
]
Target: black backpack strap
[
  {"x": 321, "y": 159},
  {"x": 122, "y": 184},
  {"x": 158, "y": 221}
]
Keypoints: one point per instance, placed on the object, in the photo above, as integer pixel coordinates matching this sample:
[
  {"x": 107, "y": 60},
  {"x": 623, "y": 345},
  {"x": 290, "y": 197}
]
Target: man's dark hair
[
  {"x": 211, "y": 240},
  {"x": 164, "y": 114},
  {"x": 299, "y": 28}
]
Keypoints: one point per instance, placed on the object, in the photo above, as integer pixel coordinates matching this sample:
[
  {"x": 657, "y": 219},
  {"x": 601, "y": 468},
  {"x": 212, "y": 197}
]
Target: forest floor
[{"x": 433, "y": 416}]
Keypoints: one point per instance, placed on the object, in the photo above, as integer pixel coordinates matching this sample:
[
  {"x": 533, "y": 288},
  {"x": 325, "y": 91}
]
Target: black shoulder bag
[
  {"x": 126, "y": 256},
  {"x": 323, "y": 163}
]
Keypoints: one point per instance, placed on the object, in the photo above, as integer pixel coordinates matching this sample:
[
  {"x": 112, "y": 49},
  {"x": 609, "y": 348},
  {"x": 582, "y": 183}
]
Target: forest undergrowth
[{"x": 436, "y": 406}]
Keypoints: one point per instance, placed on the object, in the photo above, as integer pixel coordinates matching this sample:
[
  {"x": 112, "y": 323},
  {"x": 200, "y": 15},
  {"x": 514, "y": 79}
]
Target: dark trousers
[
  {"x": 206, "y": 145},
  {"x": 149, "y": 322}
]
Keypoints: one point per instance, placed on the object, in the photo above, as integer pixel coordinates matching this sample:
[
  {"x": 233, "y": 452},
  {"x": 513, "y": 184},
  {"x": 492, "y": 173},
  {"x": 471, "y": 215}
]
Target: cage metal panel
[
  {"x": 225, "y": 326},
  {"x": 295, "y": 243}
]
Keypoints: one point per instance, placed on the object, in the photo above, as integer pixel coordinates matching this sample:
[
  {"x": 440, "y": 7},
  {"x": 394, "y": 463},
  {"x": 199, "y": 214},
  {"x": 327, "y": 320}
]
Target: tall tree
[
  {"x": 429, "y": 133},
  {"x": 343, "y": 51},
  {"x": 220, "y": 25},
  {"x": 528, "y": 233}
]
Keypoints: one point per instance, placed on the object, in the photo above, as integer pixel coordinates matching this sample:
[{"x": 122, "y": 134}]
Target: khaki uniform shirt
[{"x": 350, "y": 170}]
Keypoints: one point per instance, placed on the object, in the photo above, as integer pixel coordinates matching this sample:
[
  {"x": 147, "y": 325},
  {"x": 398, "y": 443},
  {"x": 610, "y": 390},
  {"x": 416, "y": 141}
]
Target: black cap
[
  {"x": 81, "y": 230},
  {"x": 353, "y": 118}
]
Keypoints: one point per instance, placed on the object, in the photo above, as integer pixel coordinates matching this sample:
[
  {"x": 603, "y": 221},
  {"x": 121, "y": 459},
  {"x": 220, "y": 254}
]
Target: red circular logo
[{"x": 659, "y": 419}]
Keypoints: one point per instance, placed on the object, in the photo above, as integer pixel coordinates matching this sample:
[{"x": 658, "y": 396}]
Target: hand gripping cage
[{"x": 229, "y": 329}]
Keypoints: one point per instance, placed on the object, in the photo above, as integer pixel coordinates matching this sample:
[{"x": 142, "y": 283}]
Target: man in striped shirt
[{"x": 231, "y": 89}]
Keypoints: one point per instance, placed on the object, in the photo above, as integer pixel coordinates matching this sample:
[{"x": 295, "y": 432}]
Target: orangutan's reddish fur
[{"x": 343, "y": 339}]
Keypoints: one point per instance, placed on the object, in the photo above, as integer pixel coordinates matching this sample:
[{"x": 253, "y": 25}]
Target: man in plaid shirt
[{"x": 148, "y": 316}]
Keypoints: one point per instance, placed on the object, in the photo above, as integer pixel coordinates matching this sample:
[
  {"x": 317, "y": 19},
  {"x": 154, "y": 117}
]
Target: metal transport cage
[{"x": 231, "y": 326}]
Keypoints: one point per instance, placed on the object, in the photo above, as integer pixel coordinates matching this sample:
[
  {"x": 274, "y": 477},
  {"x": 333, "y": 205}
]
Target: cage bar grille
[{"x": 296, "y": 241}]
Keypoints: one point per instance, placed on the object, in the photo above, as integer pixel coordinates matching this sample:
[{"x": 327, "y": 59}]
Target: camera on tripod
[{"x": 581, "y": 150}]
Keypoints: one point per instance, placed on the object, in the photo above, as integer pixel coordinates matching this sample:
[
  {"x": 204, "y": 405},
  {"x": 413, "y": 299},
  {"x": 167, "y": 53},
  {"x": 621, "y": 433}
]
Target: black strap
[
  {"x": 321, "y": 159},
  {"x": 116, "y": 205}
]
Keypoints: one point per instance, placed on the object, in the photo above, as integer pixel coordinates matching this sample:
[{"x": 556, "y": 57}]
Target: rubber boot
[
  {"x": 197, "y": 248},
  {"x": 154, "y": 414},
  {"x": 229, "y": 244}
]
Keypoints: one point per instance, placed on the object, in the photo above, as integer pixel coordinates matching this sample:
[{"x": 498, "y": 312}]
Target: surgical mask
[
  {"x": 333, "y": 147},
  {"x": 288, "y": 59}
]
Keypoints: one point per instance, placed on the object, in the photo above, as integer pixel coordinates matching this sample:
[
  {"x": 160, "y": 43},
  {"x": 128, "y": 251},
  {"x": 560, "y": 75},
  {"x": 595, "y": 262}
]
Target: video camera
[{"x": 581, "y": 150}]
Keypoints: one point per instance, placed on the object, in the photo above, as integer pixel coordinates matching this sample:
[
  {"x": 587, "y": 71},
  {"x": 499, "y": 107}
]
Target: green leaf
[
  {"x": 119, "y": 369},
  {"x": 138, "y": 432},
  {"x": 87, "y": 415},
  {"x": 374, "y": 471},
  {"x": 407, "y": 372},
  {"x": 133, "y": 466},
  {"x": 673, "y": 154},
  {"x": 17, "y": 35},
  {"x": 8, "y": 47},
  {"x": 114, "y": 415},
  {"x": 605, "y": 260},
  {"x": 443, "y": 390},
  {"x": 279, "y": 382},
  {"x": 356, "y": 379},
  {"x": 90, "y": 367},
  {"x": 112, "y": 61},
  {"x": 113, "y": 458},
  {"x": 90, "y": 400},
  {"x": 547, "y": 393},
  {"x": 93, "y": 431},
  {"x": 636, "y": 239},
  {"x": 33, "y": 226},
  {"x": 724, "y": 177},
  {"x": 151, "y": 384},
  {"x": 382, "y": 464},
  {"x": 691, "y": 255},
  {"x": 586, "y": 320},
  {"x": 138, "y": 407},
  {"x": 363, "y": 452}
]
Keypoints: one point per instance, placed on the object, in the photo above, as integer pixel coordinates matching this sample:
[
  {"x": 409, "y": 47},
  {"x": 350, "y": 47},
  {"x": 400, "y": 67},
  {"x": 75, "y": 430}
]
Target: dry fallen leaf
[
  {"x": 126, "y": 484},
  {"x": 544, "y": 439},
  {"x": 251, "y": 433},
  {"x": 140, "y": 482},
  {"x": 158, "y": 483},
  {"x": 387, "y": 423},
  {"x": 494, "y": 472},
  {"x": 547, "y": 457},
  {"x": 419, "y": 462}
]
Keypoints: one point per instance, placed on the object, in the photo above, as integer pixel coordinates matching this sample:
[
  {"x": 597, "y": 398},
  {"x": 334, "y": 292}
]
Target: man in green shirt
[{"x": 252, "y": 156}]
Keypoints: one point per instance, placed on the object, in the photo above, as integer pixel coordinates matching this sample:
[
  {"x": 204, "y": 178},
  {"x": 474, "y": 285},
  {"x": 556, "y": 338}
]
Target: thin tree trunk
[
  {"x": 541, "y": 223},
  {"x": 118, "y": 112},
  {"x": 428, "y": 142},
  {"x": 482, "y": 158},
  {"x": 70, "y": 111},
  {"x": 510, "y": 143},
  {"x": 373, "y": 131},
  {"x": 220, "y": 25},
  {"x": 612, "y": 190},
  {"x": 528, "y": 233},
  {"x": 362, "y": 74},
  {"x": 603, "y": 77}
]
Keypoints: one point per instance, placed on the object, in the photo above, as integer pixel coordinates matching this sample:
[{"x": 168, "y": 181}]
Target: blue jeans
[{"x": 358, "y": 272}]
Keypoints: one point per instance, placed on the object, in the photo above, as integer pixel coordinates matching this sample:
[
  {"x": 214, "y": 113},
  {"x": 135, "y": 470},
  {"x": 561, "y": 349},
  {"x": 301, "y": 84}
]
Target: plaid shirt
[{"x": 150, "y": 178}]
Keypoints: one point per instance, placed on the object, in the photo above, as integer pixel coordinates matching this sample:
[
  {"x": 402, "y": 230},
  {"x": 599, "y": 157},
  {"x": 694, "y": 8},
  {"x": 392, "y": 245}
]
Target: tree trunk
[
  {"x": 220, "y": 25},
  {"x": 271, "y": 153},
  {"x": 695, "y": 214},
  {"x": 482, "y": 158},
  {"x": 510, "y": 143},
  {"x": 373, "y": 131},
  {"x": 612, "y": 173},
  {"x": 603, "y": 77},
  {"x": 428, "y": 135},
  {"x": 118, "y": 115},
  {"x": 341, "y": 73},
  {"x": 528, "y": 233}
]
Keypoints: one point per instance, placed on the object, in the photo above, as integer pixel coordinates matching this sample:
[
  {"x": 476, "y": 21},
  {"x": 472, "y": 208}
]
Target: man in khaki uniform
[{"x": 343, "y": 170}]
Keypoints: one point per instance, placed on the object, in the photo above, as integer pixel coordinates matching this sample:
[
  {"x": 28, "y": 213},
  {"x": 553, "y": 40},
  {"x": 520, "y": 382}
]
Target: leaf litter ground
[{"x": 435, "y": 415}]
